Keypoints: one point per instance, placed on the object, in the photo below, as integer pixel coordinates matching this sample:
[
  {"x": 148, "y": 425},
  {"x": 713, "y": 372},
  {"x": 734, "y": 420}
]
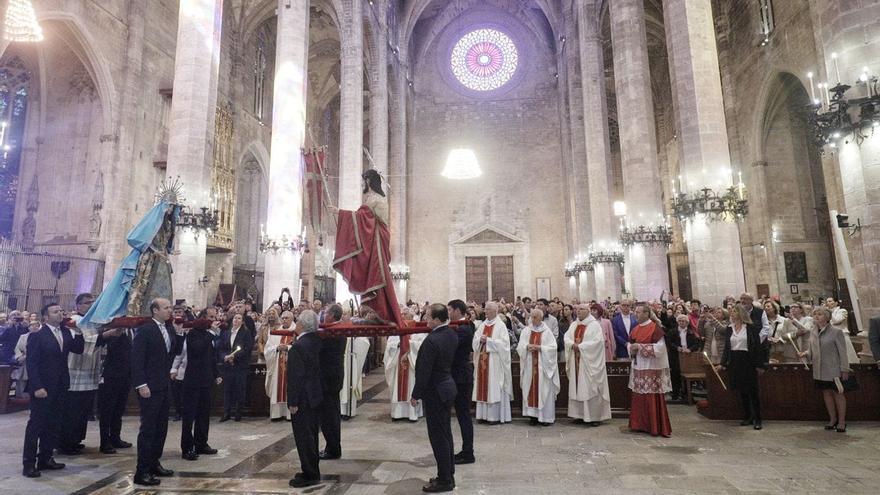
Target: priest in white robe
[
  {"x": 356, "y": 350},
  {"x": 539, "y": 372},
  {"x": 275, "y": 353},
  {"x": 493, "y": 383},
  {"x": 588, "y": 397},
  {"x": 400, "y": 373}
]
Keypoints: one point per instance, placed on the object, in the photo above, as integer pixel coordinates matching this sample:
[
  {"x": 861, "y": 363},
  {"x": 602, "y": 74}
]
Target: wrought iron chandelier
[
  {"x": 660, "y": 234},
  {"x": 727, "y": 206},
  {"x": 575, "y": 268},
  {"x": 283, "y": 243},
  {"x": 21, "y": 22},
  {"x": 606, "y": 257},
  {"x": 834, "y": 116},
  {"x": 399, "y": 272},
  {"x": 206, "y": 219}
]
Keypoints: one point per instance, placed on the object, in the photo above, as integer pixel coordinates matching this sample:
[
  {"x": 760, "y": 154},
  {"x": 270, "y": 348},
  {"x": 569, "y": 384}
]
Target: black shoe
[
  {"x": 206, "y": 449},
  {"x": 533, "y": 421},
  {"x": 594, "y": 423},
  {"x": 758, "y": 425},
  {"x": 437, "y": 486},
  {"x": 160, "y": 471},
  {"x": 841, "y": 429},
  {"x": 237, "y": 418},
  {"x": 146, "y": 479},
  {"x": 121, "y": 444},
  {"x": 30, "y": 472},
  {"x": 190, "y": 455},
  {"x": 328, "y": 456},
  {"x": 745, "y": 422},
  {"x": 107, "y": 449},
  {"x": 463, "y": 458},
  {"x": 832, "y": 427},
  {"x": 302, "y": 482},
  {"x": 224, "y": 418},
  {"x": 545, "y": 424},
  {"x": 50, "y": 465},
  {"x": 69, "y": 451}
]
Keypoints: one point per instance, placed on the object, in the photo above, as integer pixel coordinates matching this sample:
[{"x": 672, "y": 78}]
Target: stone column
[
  {"x": 379, "y": 94},
  {"x": 196, "y": 65},
  {"x": 850, "y": 30},
  {"x": 714, "y": 252},
  {"x": 284, "y": 216},
  {"x": 646, "y": 263},
  {"x": 397, "y": 168},
  {"x": 598, "y": 146},
  {"x": 351, "y": 115}
]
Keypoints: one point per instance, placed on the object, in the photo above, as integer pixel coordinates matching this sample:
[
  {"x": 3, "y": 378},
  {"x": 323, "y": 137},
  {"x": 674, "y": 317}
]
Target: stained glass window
[
  {"x": 484, "y": 59},
  {"x": 14, "y": 79}
]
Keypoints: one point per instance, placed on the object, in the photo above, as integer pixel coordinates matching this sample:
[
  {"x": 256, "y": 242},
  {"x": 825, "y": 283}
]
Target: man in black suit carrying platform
[
  {"x": 304, "y": 397},
  {"x": 436, "y": 389},
  {"x": 463, "y": 374},
  {"x": 48, "y": 379},
  {"x": 332, "y": 377},
  {"x": 152, "y": 351}
]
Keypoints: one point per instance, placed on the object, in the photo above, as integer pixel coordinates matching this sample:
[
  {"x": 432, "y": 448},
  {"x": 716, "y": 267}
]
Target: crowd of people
[{"x": 181, "y": 353}]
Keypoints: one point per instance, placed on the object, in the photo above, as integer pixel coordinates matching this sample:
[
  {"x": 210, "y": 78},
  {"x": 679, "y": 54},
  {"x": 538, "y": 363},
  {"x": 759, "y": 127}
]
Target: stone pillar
[
  {"x": 196, "y": 65},
  {"x": 714, "y": 252},
  {"x": 284, "y": 216},
  {"x": 598, "y": 146},
  {"x": 379, "y": 94},
  {"x": 850, "y": 30},
  {"x": 397, "y": 196},
  {"x": 646, "y": 263},
  {"x": 351, "y": 115}
]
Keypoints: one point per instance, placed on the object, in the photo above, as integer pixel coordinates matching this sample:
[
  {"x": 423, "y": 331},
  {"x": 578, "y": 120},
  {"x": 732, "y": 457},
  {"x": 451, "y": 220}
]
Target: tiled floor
[{"x": 381, "y": 457}]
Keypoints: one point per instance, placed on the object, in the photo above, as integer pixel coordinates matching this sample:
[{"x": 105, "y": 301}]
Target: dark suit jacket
[
  {"x": 201, "y": 367},
  {"x": 434, "y": 364},
  {"x": 332, "y": 358},
  {"x": 303, "y": 372},
  {"x": 756, "y": 351},
  {"x": 620, "y": 334},
  {"x": 247, "y": 322},
  {"x": 874, "y": 336},
  {"x": 462, "y": 365},
  {"x": 150, "y": 359},
  {"x": 47, "y": 361},
  {"x": 9, "y": 336},
  {"x": 673, "y": 339},
  {"x": 117, "y": 361},
  {"x": 244, "y": 339}
]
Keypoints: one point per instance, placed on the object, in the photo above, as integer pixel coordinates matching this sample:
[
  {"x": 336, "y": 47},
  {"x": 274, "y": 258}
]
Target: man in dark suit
[
  {"x": 237, "y": 335},
  {"x": 463, "y": 374},
  {"x": 676, "y": 346},
  {"x": 113, "y": 391},
  {"x": 200, "y": 373},
  {"x": 304, "y": 397},
  {"x": 332, "y": 371},
  {"x": 48, "y": 379},
  {"x": 152, "y": 351},
  {"x": 622, "y": 324},
  {"x": 436, "y": 388},
  {"x": 874, "y": 337}
]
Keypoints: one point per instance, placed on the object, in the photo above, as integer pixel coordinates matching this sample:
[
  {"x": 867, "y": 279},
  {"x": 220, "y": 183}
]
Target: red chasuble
[
  {"x": 362, "y": 255},
  {"x": 535, "y": 339},
  {"x": 648, "y": 411},
  {"x": 578, "y": 338},
  {"x": 483, "y": 367},
  {"x": 287, "y": 337}
]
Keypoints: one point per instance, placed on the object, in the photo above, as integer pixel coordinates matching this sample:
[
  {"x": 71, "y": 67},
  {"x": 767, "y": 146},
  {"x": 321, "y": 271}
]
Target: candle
[
  {"x": 812, "y": 89},
  {"x": 836, "y": 66},
  {"x": 740, "y": 185}
]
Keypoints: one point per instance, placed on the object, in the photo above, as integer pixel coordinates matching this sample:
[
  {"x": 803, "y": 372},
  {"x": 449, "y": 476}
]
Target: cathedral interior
[{"x": 579, "y": 149}]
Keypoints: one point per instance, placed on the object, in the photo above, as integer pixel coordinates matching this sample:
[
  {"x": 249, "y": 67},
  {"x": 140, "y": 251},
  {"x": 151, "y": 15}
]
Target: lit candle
[
  {"x": 740, "y": 185},
  {"x": 836, "y": 66},
  {"x": 812, "y": 89},
  {"x": 262, "y": 230},
  {"x": 673, "y": 186}
]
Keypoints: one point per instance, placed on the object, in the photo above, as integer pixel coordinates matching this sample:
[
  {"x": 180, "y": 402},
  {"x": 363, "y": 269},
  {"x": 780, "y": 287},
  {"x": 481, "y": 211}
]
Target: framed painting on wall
[{"x": 543, "y": 287}]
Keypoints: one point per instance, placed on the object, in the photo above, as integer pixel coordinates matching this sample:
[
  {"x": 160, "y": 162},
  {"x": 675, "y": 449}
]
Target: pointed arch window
[
  {"x": 14, "y": 82},
  {"x": 260, "y": 75}
]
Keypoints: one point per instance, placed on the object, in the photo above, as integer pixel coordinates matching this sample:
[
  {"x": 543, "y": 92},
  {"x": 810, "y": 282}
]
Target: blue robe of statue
[{"x": 145, "y": 272}]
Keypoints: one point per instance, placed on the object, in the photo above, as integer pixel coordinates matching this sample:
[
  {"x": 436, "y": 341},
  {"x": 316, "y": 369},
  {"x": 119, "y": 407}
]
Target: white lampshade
[
  {"x": 619, "y": 209},
  {"x": 462, "y": 164}
]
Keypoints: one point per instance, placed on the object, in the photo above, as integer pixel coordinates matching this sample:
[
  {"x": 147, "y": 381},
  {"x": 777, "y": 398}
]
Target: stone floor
[{"x": 381, "y": 457}]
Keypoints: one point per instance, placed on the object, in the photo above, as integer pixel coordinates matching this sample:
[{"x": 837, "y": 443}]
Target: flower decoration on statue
[{"x": 843, "y": 112}]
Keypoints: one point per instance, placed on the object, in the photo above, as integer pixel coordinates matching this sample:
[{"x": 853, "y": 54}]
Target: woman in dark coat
[{"x": 744, "y": 357}]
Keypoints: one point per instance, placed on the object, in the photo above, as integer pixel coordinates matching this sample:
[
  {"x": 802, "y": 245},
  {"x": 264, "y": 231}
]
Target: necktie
[
  {"x": 58, "y": 337},
  {"x": 167, "y": 341}
]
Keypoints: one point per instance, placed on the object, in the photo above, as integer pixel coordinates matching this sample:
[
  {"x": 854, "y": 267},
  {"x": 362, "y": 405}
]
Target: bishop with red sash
[{"x": 493, "y": 383}]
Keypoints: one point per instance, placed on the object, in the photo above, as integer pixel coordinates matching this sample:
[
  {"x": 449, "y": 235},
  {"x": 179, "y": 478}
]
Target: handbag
[{"x": 848, "y": 385}]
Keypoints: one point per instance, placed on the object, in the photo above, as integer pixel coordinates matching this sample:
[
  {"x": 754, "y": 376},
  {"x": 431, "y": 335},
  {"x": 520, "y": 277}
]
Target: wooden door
[
  {"x": 502, "y": 278},
  {"x": 476, "y": 275}
]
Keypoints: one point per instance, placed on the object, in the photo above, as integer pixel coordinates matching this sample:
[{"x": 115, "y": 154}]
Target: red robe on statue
[{"x": 362, "y": 255}]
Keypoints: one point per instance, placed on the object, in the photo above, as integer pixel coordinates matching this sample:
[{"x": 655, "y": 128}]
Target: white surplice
[
  {"x": 402, "y": 409},
  {"x": 273, "y": 356},
  {"x": 356, "y": 349},
  {"x": 588, "y": 397},
  {"x": 499, "y": 389},
  {"x": 548, "y": 373}
]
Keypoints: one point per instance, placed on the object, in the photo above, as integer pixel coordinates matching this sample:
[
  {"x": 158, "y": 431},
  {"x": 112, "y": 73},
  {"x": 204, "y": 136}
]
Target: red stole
[
  {"x": 535, "y": 339},
  {"x": 645, "y": 334},
  {"x": 483, "y": 367},
  {"x": 403, "y": 370},
  {"x": 286, "y": 338},
  {"x": 578, "y": 338}
]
